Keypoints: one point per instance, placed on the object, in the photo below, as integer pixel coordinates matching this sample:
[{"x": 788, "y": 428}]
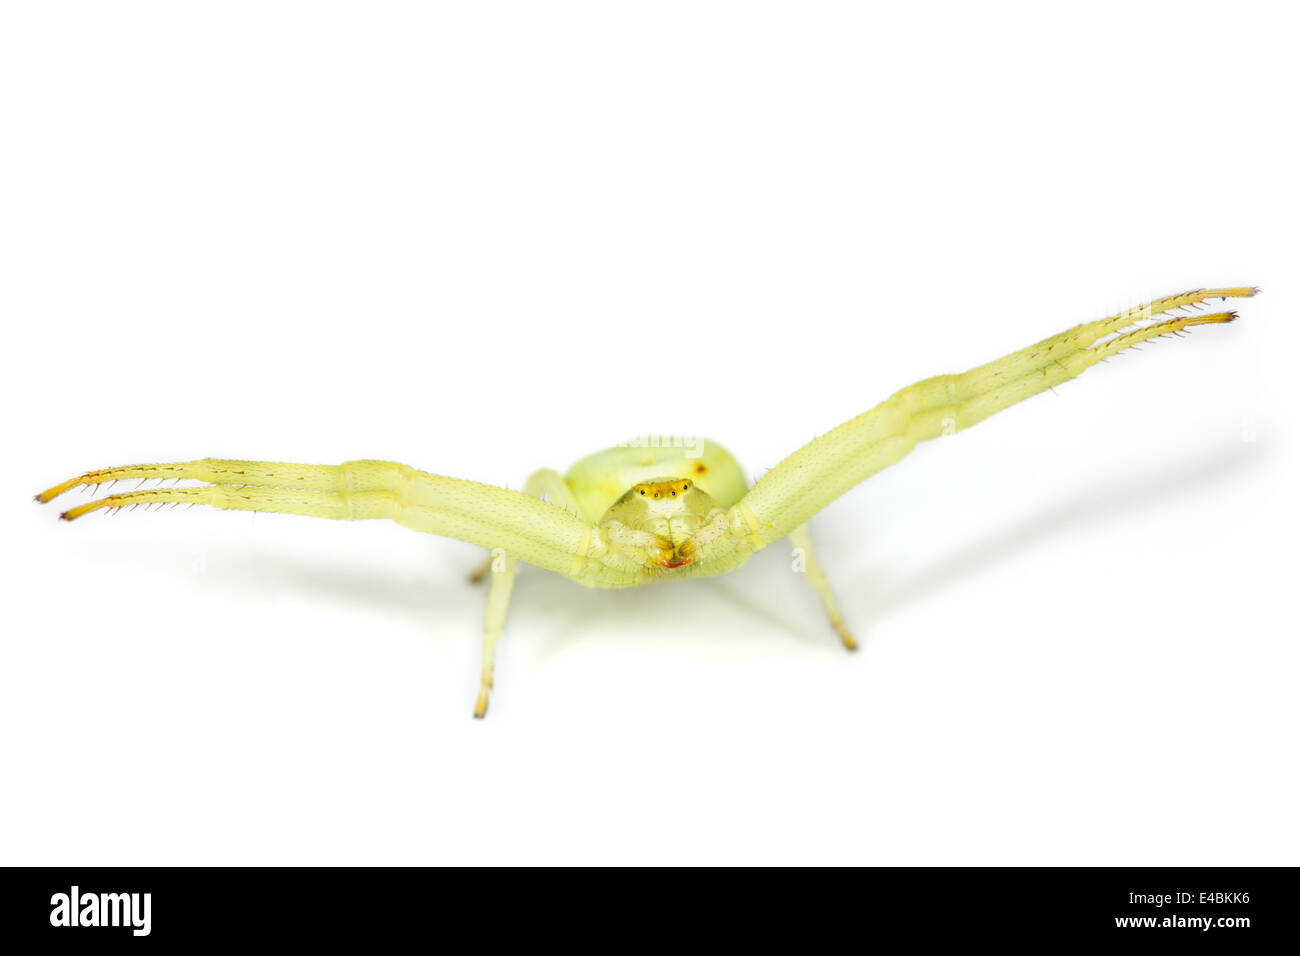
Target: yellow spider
[{"x": 634, "y": 515}]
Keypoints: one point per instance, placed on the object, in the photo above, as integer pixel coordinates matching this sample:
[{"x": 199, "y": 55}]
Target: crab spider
[{"x": 629, "y": 516}]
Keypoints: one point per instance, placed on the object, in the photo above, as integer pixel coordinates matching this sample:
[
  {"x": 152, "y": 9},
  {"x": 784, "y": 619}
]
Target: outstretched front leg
[
  {"x": 543, "y": 483},
  {"x": 523, "y": 526},
  {"x": 830, "y": 465}
]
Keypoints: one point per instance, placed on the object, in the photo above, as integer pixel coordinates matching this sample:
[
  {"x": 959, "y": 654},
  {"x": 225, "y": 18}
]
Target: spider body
[
  {"x": 639, "y": 513},
  {"x": 662, "y": 498}
]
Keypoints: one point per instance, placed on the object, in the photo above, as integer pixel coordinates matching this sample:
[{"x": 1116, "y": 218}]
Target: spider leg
[
  {"x": 349, "y": 506},
  {"x": 478, "y": 574},
  {"x": 830, "y": 465},
  {"x": 543, "y": 483},
  {"x": 522, "y": 525},
  {"x": 546, "y": 483},
  {"x": 1055, "y": 347},
  {"x": 504, "y": 568},
  {"x": 352, "y": 476},
  {"x": 802, "y": 540},
  {"x": 504, "y": 571}
]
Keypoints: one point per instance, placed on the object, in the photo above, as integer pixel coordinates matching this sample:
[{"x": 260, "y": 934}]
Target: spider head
[{"x": 653, "y": 523}]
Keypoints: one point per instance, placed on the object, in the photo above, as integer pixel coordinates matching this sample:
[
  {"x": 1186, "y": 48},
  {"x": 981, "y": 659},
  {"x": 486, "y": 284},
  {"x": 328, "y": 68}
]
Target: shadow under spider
[{"x": 1093, "y": 507}]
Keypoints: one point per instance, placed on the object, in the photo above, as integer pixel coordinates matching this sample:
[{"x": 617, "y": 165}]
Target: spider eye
[
  {"x": 674, "y": 492},
  {"x": 642, "y": 492}
]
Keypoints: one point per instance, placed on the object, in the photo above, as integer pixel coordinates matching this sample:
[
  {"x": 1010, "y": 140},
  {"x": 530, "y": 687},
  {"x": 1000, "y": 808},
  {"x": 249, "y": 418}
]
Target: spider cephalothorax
[
  {"x": 664, "y": 517},
  {"x": 615, "y": 520}
]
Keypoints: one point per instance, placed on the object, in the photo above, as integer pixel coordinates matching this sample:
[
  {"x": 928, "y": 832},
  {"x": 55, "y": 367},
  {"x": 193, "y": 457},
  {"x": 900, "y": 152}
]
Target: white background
[{"x": 483, "y": 238}]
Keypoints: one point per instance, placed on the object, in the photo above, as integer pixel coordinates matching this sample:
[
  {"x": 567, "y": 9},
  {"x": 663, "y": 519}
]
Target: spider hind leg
[
  {"x": 801, "y": 541},
  {"x": 504, "y": 569}
]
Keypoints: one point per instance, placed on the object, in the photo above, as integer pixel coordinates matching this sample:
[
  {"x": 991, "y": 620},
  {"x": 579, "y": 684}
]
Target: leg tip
[
  {"x": 73, "y": 513},
  {"x": 849, "y": 643},
  {"x": 1238, "y": 292}
]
